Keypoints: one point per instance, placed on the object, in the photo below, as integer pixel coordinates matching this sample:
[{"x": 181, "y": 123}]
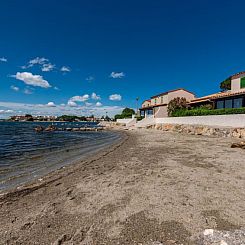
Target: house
[
  {"x": 157, "y": 106},
  {"x": 233, "y": 98}
]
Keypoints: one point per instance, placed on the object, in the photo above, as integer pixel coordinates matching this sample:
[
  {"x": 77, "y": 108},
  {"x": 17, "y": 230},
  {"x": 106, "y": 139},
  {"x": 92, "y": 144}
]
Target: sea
[{"x": 26, "y": 155}]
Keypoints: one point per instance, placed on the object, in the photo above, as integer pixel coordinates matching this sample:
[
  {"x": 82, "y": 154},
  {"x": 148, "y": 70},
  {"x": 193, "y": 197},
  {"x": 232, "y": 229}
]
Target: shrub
[
  {"x": 206, "y": 106},
  {"x": 139, "y": 118},
  {"x": 177, "y": 104},
  {"x": 205, "y": 112}
]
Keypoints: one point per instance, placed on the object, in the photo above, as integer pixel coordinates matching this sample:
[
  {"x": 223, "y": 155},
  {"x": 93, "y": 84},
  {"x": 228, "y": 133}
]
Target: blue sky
[{"x": 89, "y": 57}]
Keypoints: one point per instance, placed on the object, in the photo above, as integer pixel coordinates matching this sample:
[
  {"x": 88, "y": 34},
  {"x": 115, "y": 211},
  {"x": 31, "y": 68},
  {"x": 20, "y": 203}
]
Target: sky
[{"x": 92, "y": 57}]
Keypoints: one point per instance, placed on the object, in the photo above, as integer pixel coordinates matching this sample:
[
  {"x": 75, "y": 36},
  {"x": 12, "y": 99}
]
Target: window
[
  {"x": 238, "y": 102},
  {"x": 242, "y": 82},
  {"x": 220, "y": 104},
  {"x": 161, "y": 100},
  {"x": 155, "y": 101},
  {"x": 149, "y": 112},
  {"x": 228, "y": 103}
]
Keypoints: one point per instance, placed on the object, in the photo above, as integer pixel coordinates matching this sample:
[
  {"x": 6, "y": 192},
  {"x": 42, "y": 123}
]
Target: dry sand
[{"x": 153, "y": 187}]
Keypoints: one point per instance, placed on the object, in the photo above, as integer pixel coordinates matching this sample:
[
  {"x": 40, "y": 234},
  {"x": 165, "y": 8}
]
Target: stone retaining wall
[
  {"x": 234, "y": 121},
  {"x": 201, "y": 130}
]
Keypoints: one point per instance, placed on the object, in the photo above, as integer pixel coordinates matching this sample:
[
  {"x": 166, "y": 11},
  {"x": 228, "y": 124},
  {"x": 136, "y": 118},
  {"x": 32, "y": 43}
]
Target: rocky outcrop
[
  {"x": 238, "y": 145},
  {"x": 201, "y": 130},
  {"x": 51, "y": 128}
]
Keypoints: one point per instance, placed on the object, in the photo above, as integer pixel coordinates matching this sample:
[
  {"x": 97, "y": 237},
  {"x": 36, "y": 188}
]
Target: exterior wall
[
  {"x": 124, "y": 121},
  {"x": 160, "y": 100},
  {"x": 180, "y": 93},
  {"x": 146, "y": 104},
  {"x": 128, "y": 122},
  {"x": 217, "y": 120},
  {"x": 235, "y": 84},
  {"x": 160, "y": 111}
]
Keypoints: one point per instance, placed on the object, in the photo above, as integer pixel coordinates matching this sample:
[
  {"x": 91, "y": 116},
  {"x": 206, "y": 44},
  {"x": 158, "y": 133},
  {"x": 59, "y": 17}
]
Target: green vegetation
[
  {"x": 67, "y": 118},
  {"x": 205, "y": 112},
  {"x": 177, "y": 104},
  {"x": 226, "y": 84},
  {"x": 206, "y": 106},
  {"x": 139, "y": 118},
  {"x": 126, "y": 113}
]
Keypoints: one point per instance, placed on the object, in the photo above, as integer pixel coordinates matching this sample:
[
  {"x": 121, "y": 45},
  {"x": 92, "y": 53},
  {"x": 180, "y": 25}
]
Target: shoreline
[
  {"x": 153, "y": 187},
  {"x": 39, "y": 181}
]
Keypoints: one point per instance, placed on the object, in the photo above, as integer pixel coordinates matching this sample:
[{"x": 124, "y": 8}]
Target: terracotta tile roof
[
  {"x": 217, "y": 96},
  {"x": 170, "y": 91},
  {"x": 152, "y": 106},
  {"x": 238, "y": 75},
  {"x": 146, "y": 107}
]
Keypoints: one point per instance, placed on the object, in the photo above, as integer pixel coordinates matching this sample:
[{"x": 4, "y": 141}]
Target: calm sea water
[{"x": 25, "y": 154}]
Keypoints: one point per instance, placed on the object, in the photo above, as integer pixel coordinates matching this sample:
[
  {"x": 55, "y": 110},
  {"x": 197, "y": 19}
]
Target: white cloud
[
  {"x": 38, "y": 60},
  {"x": 115, "y": 97},
  {"x": 117, "y": 74},
  {"x": 3, "y": 59},
  {"x": 51, "y": 104},
  {"x": 27, "y": 91},
  {"x": 65, "y": 69},
  {"x": 90, "y": 78},
  {"x": 98, "y": 104},
  {"x": 78, "y": 98},
  {"x": 48, "y": 67},
  {"x": 6, "y": 111},
  {"x": 11, "y": 108},
  {"x": 71, "y": 103},
  {"x": 33, "y": 80},
  {"x": 42, "y": 62},
  {"x": 9, "y": 111},
  {"x": 88, "y": 104},
  {"x": 94, "y": 96},
  {"x": 15, "y": 88},
  {"x": 56, "y": 88}
]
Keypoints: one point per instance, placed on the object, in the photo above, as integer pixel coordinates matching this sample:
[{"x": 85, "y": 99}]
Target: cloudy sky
[{"x": 93, "y": 57}]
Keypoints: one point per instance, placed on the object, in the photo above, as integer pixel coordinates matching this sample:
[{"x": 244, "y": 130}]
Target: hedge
[{"x": 205, "y": 112}]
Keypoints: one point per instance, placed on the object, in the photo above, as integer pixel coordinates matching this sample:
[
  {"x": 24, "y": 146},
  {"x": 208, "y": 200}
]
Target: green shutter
[{"x": 243, "y": 82}]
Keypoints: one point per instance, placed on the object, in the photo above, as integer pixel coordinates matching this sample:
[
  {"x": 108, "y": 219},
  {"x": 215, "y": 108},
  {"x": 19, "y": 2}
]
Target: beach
[{"x": 152, "y": 187}]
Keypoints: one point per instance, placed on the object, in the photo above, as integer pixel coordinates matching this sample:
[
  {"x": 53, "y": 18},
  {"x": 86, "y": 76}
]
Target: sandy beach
[{"x": 153, "y": 187}]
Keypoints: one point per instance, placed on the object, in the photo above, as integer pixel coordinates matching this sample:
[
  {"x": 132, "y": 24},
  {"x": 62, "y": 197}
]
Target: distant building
[{"x": 27, "y": 117}]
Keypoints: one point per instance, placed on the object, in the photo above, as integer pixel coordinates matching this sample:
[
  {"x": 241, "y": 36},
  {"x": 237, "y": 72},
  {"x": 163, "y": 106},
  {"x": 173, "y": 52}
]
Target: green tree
[
  {"x": 176, "y": 104},
  {"x": 226, "y": 84},
  {"x": 118, "y": 116},
  {"x": 126, "y": 113},
  {"x": 70, "y": 118},
  {"x": 107, "y": 118}
]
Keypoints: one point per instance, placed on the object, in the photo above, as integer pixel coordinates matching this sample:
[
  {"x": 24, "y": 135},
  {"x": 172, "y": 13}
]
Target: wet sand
[{"x": 152, "y": 187}]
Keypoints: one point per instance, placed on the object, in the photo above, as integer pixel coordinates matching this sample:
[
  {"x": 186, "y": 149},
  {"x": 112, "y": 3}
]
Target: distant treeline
[{"x": 67, "y": 118}]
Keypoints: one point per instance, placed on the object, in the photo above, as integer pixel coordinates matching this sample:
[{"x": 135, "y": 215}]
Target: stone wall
[
  {"x": 235, "y": 121},
  {"x": 201, "y": 130}
]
